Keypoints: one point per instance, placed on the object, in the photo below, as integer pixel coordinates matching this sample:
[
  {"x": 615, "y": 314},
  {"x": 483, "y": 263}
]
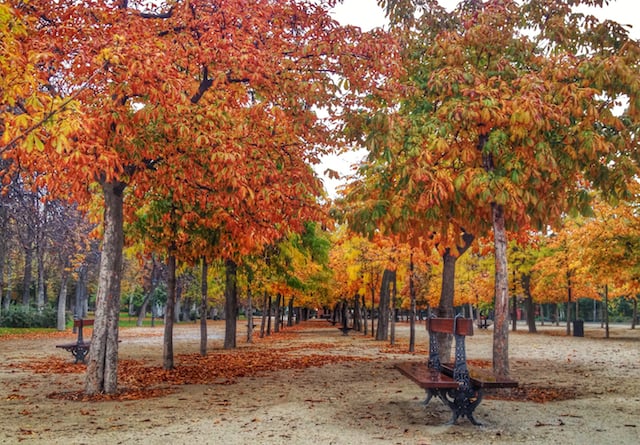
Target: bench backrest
[
  {"x": 79, "y": 323},
  {"x": 464, "y": 326}
]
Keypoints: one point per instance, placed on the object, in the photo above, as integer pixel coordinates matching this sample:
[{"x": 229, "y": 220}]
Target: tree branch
[{"x": 53, "y": 112}]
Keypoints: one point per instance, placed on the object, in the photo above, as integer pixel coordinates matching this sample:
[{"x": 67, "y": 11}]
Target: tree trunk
[
  {"x": 169, "y": 312},
  {"x": 394, "y": 309},
  {"x": 373, "y": 305},
  {"x": 276, "y": 316},
  {"x": 569, "y": 292},
  {"x": 80, "y": 307},
  {"x": 204, "y": 291},
  {"x": 290, "y": 312},
  {"x": 62, "y": 302},
  {"x": 263, "y": 322},
  {"x": 606, "y": 311},
  {"x": 230, "y": 304},
  {"x": 345, "y": 315},
  {"x": 6, "y": 302},
  {"x": 102, "y": 367},
  {"x": 249, "y": 316},
  {"x": 4, "y": 220},
  {"x": 40, "y": 292},
  {"x": 634, "y": 320},
  {"x": 357, "y": 313},
  {"x": 501, "y": 322},
  {"x": 26, "y": 279},
  {"x": 382, "y": 333},
  {"x": 282, "y": 312},
  {"x": 364, "y": 309},
  {"x": 269, "y": 305},
  {"x": 412, "y": 310},
  {"x": 525, "y": 279}
]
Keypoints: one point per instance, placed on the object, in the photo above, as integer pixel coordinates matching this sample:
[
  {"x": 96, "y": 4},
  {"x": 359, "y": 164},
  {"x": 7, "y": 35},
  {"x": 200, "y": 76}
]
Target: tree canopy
[{"x": 507, "y": 117}]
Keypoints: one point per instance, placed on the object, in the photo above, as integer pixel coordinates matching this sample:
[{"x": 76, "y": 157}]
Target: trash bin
[{"x": 578, "y": 328}]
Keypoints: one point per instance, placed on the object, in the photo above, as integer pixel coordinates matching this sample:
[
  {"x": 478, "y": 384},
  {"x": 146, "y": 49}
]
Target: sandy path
[{"x": 355, "y": 402}]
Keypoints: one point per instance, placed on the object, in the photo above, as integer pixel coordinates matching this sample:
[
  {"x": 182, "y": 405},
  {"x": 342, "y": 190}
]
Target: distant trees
[{"x": 45, "y": 246}]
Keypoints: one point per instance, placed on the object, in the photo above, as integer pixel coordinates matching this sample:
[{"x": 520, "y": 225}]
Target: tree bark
[
  {"x": 569, "y": 292},
  {"x": 357, "y": 313},
  {"x": 26, "y": 279},
  {"x": 269, "y": 305},
  {"x": 634, "y": 320},
  {"x": 204, "y": 291},
  {"x": 62, "y": 302},
  {"x": 40, "y": 292},
  {"x": 249, "y": 316},
  {"x": 525, "y": 279},
  {"x": 276, "y": 316},
  {"x": 263, "y": 322},
  {"x": 4, "y": 221},
  {"x": 412, "y": 311},
  {"x": 169, "y": 312},
  {"x": 364, "y": 309},
  {"x": 394, "y": 309},
  {"x": 606, "y": 311},
  {"x": 102, "y": 366},
  {"x": 501, "y": 322},
  {"x": 290, "y": 312},
  {"x": 230, "y": 304},
  {"x": 382, "y": 333},
  {"x": 373, "y": 303}
]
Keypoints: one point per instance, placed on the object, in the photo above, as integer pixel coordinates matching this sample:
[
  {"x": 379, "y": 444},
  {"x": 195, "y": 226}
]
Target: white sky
[{"x": 367, "y": 15}]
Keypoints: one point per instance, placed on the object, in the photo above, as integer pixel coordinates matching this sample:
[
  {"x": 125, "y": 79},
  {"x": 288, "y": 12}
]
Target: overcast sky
[{"x": 367, "y": 15}]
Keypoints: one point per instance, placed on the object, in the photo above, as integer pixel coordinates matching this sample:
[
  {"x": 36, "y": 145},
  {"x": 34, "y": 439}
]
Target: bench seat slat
[
  {"x": 480, "y": 378},
  {"x": 422, "y": 376}
]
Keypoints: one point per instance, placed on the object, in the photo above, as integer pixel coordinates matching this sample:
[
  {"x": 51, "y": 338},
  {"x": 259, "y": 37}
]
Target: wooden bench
[
  {"x": 458, "y": 388},
  {"x": 80, "y": 348}
]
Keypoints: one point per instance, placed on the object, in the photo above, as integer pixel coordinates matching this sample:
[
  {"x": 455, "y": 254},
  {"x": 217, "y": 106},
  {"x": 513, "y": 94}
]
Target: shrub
[{"x": 27, "y": 317}]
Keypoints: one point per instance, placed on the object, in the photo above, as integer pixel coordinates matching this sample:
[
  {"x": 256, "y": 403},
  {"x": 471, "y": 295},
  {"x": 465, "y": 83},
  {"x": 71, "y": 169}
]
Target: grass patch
[{"x": 25, "y": 331}]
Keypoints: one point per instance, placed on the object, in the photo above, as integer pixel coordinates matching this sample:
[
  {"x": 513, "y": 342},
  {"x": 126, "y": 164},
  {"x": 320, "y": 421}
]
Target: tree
[
  {"x": 213, "y": 103},
  {"x": 505, "y": 117}
]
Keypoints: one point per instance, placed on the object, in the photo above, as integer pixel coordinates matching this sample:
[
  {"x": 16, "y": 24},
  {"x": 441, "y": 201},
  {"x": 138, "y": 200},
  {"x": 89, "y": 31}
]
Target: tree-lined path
[
  {"x": 573, "y": 390},
  {"x": 158, "y": 158}
]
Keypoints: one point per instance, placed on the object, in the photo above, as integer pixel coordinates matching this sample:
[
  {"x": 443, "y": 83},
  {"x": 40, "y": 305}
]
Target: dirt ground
[{"x": 589, "y": 388}]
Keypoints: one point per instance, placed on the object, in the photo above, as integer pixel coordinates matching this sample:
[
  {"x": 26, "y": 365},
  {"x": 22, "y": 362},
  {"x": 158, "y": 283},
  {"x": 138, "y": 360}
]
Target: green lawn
[{"x": 125, "y": 322}]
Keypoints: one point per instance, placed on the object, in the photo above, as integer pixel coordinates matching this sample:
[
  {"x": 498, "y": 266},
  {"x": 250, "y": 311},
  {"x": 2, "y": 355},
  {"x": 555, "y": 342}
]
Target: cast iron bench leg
[{"x": 463, "y": 403}]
